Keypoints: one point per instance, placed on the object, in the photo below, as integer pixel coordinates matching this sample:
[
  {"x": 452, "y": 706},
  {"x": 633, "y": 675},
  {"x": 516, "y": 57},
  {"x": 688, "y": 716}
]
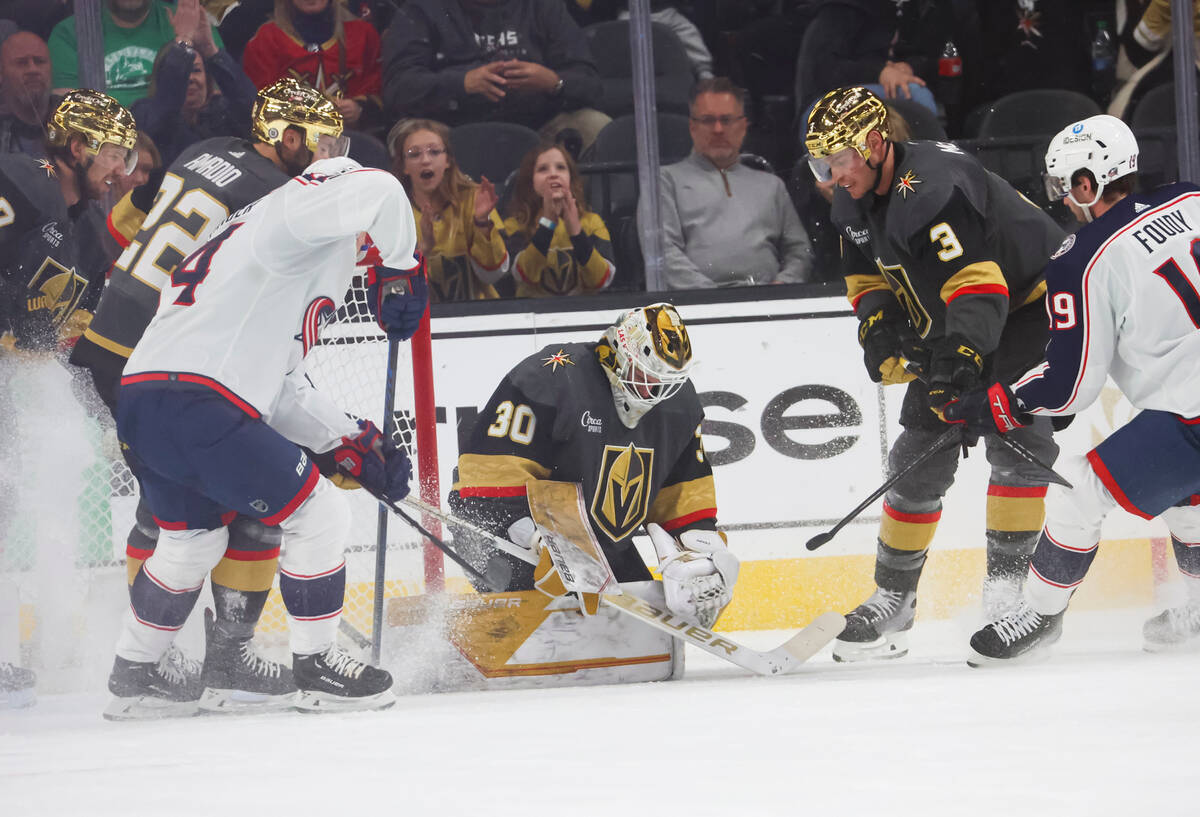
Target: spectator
[
  {"x": 133, "y": 31},
  {"x": 322, "y": 44},
  {"x": 458, "y": 229},
  {"x": 850, "y": 42},
  {"x": 560, "y": 247},
  {"x": 663, "y": 11},
  {"x": 148, "y": 160},
  {"x": 725, "y": 224},
  {"x": 196, "y": 91},
  {"x": 523, "y": 61},
  {"x": 25, "y": 90}
]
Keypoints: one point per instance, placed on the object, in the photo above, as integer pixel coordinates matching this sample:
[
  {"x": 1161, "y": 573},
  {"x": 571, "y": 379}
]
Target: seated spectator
[
  {"x": 523, "y": 61},
  {"x": 25, "y": 91},
  {"x": 148, "y": 160},
  {"x": 560, "y": 247},
  {"x": 725, "y": 224},
  {"x": 458, "y": 229},
  {"x": 133, "y": 31},
  {"x": 322, "y": 44},
  {"x": 698, "y": 54},
  {"x": 196, "y": 91}
]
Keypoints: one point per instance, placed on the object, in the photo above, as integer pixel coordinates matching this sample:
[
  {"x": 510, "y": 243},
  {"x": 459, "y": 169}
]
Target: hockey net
[{"x": 62, "y": 541}]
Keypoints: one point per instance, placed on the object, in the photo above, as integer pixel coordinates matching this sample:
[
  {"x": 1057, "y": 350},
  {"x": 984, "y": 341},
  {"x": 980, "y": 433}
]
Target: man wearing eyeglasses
[{"x": 725, "y": 224}]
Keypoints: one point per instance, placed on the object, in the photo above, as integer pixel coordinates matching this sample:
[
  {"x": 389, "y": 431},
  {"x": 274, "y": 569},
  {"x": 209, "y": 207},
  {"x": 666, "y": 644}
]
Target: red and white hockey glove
[
  {"x": 988, "y": 412},
  {"x": 398, "y": 298},
  {"x": 698, "y": 572},
  {"x": 374, "y": 463}
]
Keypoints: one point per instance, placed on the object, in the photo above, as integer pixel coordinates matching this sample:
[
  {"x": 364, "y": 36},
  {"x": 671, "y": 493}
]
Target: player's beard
[{"x": 296, "y": 161}]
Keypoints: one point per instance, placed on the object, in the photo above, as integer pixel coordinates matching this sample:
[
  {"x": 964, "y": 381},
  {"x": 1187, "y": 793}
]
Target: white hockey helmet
[
  {"x": 647, "y": 356},
  {"x": 1102, "y": 145}
]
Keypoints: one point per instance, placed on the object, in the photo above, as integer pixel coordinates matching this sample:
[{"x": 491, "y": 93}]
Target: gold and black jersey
[
  {"x": 553, "y": 417},
  {"x": 955, "y": 245},
  {"x": 52, "y": 258},
  {"x": 209, "y": 180}
]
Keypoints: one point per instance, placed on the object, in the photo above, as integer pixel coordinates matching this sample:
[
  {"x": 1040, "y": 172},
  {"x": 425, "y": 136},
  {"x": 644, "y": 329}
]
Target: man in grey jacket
[{"x": 725, "y": 224}]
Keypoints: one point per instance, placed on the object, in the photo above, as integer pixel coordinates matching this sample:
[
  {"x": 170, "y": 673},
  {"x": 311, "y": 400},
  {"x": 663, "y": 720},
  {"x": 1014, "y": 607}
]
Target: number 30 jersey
[
  {"x": 953, "y": 243},
  {"x": 1124, "y": 300},
  {"x": 208, "y": 181}
]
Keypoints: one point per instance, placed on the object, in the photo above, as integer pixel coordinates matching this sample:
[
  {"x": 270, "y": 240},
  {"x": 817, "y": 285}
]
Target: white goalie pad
[{"x": 558, "y": 511}]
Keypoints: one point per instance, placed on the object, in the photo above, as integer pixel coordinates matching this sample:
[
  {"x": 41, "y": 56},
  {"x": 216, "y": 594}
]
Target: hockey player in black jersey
[
  {"x": 159, "y": 225},
  {"x": 943, "y": 266},
  {"x": 52, "y": 262},
  {"x": 620, "y": 417}
]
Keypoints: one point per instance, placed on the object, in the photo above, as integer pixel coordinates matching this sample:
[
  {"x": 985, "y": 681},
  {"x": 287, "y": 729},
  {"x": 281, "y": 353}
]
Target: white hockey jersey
[
  {"x": 1123, "y": 297},
  {"x": 237, "y": 309}
]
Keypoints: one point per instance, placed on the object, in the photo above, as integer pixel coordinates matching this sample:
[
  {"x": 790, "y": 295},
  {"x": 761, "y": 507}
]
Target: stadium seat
[
  {"x": 1041, "y": 111},
  {"x": 612, "y": 52},
  {"x": 922, "y": 122},
  {"x": 368, "y": 151},
  {"x": 616, "y": 190},
  {"x": 492, "y": 149},
  {"x": 1156, "y": 109}
]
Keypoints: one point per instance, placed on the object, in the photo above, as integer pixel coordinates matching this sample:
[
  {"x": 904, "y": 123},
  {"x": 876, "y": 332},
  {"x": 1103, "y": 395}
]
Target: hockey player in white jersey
[
  {"x": 1123, "y": 300},
  {"x": 214, "y": 406}
]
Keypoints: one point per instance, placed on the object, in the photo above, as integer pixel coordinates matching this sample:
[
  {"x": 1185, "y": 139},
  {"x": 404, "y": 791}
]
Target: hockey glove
[
  {"x": 698, "y": 572},
  {"x": 955, "y": 368},
  {"x": 398, "y": 299},
  {"x": 879, "y": 335},
  {"x": 986, "y": 412},
  {"x": 374, "y": 462}
]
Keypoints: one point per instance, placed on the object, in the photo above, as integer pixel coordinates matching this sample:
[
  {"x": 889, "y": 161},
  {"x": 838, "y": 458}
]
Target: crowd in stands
[{"x": 734, "y": 82}]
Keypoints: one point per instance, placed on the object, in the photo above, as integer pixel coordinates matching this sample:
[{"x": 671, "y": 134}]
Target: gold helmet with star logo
[
  {"x": 647, "y": 356},
  {"x": 288, "y": 102},
  {"x": 842, "y": 119},
  {"x": 96, "y": 117}
]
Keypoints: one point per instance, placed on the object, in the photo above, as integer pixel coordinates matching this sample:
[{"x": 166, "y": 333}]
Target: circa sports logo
[
  {"x": 859, "y": 236},
  {"x": 592, "y": 424}
]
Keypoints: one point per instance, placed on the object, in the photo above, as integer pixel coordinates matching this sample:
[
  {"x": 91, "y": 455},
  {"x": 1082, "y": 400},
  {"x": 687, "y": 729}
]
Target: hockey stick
[
  {"x": 781, "y": 660},
  {"x": 1023, "y": 452},
  {"x": 951, "y": 434}
]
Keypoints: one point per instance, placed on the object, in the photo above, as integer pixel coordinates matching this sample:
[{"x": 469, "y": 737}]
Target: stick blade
[
  {"x": 819, "y": 539},
  {"x": 809, "y": 641}
]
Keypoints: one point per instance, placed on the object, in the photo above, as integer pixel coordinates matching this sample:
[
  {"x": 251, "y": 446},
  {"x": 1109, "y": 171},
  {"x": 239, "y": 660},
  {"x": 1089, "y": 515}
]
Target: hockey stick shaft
[
  {"x": 951, "y": 434},
  {"x": 437, "y": 542}
]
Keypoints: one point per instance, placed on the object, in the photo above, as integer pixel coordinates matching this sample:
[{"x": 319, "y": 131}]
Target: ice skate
[
  {"x": 17, "y": 686},
  {"x": 877, "y": 628},
  {"x": 237, "y": 679},
  {"x": 1177, "y": 628},
  {"x": 145, "y": 690},
  {"x": 1022, "y": 634},
  {"x": 332, "y": 681}
]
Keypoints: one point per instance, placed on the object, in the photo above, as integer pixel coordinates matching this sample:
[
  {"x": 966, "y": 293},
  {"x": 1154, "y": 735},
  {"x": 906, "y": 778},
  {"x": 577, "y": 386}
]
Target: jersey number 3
[{"x": 194, "y": 269}]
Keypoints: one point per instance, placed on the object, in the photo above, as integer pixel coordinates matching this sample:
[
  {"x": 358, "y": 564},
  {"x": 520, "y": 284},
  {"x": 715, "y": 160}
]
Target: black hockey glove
[
  {"x": 955, "y": 367},
  {"x": 988, "y": 412},
  {"x": 398, "y": 298},
  {"x": 374, "y": 462},
  {"x": 881, "y": 336}
]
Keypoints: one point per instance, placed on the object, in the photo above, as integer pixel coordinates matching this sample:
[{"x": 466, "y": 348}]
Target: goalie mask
[
  {"x": 838, "y": 126},
  {"x": 290, "y": 103},
  {"x": 1102, "y": 145},
  {"x": 647, "y": 356},
  {"x": 99, "y": 119}
]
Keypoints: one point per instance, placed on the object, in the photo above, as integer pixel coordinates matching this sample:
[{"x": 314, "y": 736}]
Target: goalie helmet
[
  {"x": 647, "y": 357},
  {"x": 1102, "y": 145},
  {"x": 96, "y": 117},
  {"x": 290, "y": 102},
  {"x": 842, "y": 119}
]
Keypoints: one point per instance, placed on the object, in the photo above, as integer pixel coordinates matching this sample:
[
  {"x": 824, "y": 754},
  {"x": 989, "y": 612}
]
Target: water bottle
[
  {"x": 1104, "y": 63},
  {"x": 950, "y": 71}
]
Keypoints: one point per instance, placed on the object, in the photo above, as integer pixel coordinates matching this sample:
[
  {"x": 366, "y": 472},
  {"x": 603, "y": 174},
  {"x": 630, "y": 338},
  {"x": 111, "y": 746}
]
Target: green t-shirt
[{"x": 128, "y": 53}]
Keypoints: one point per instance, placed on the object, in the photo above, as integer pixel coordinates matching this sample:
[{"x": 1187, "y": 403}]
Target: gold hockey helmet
[
  {"x": 98, "y": 118},
  {"x": 289, "y": 101},
  {"x": 842, "y": 119}
]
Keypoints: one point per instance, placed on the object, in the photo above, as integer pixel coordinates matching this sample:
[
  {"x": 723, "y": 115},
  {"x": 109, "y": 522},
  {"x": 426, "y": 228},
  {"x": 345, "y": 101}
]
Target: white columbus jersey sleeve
[
  {"x": 1123, "y": 297},
  {"x": 236, "y": 309}
]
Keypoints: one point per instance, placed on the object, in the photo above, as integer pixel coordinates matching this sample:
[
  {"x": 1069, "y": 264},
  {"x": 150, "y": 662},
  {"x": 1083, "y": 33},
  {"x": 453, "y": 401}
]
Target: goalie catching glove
[
  {"x": 374, "y": 462},
  {"x": 398, "y": 298},
  {"x": 698, "y": 572}
]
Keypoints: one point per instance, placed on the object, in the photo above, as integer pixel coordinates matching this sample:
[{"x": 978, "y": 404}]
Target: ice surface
[{"x": 1099, "y": 728}]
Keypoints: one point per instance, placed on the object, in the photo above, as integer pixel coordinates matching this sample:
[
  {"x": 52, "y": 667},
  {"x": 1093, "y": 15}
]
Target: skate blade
[
  {"x": 884, "y": 648},
  {"x": 311, "y": 701},
  {"x": 1035, "y": 656},
  {"x": 18, "y": 698},
  {"x": 1187, "y": 645},
  {"x": 147, "y": 708},
  {"x": 240, "y": 702}
]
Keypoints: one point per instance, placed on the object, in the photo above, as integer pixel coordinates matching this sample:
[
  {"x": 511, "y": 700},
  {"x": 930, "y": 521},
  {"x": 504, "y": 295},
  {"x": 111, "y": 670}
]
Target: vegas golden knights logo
[
  {"x": 57, "y": 289},
  {"x": 561, "y": 275},
  {"x": 671, "y": 340},
  {"x": 623, "y": 489}
]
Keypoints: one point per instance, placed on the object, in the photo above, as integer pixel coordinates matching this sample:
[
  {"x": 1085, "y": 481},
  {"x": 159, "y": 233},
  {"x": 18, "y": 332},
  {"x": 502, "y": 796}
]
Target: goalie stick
[{"x": 779, "y": 661}]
